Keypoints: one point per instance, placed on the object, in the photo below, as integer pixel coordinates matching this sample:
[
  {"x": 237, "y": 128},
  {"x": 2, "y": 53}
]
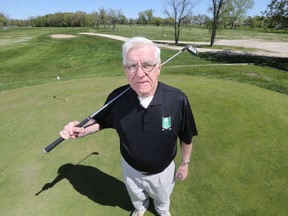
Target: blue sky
[{"x": 23, "y": 9}]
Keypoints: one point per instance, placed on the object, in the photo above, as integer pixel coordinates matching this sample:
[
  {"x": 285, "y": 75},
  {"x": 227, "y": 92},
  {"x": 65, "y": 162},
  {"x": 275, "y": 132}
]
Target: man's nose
[{"x": 140, "y": 71}]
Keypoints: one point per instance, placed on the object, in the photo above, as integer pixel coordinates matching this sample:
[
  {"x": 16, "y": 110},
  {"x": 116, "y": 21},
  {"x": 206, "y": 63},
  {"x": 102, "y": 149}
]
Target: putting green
[{"x": 239, "y": 164}]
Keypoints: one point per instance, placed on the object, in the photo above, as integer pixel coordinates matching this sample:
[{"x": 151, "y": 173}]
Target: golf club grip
[
  {"x": 49, "y": 148},
  {"x": 60, "y": 139}
]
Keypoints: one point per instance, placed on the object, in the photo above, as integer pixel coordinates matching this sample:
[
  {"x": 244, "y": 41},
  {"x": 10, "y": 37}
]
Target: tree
[
  {"x": 3, "y": 20},
  {"x": 79, "y": 19},
  {"x": 149, "y": 16},
  {"x": 142, "y": 18},
  {"x": 180, "y": 10},
  {"x": 145, "y": 17},
  {"x": 95, "y": 19},
  {"x": 103, "y": 16},
  {"x": 200, "y": 19},
  {"x": 219, "y": 9},
  {"x": 254, "y": 22},
  {"x": 115, "y": 17},
  {"x": 277, "y": 14},
  {"x": 91, "y": 19},
  {"x": 239, "y": 9},
  {"x": 158, "y": 21}
]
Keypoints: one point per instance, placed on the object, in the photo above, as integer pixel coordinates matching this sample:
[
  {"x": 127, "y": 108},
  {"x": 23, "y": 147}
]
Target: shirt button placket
[{"x": 145, "y": 122}]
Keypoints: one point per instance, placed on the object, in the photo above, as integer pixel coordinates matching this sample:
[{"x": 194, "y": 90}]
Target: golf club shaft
[
  {"x": 174, "y": 56},
  {"x": 82, "y": 123}
]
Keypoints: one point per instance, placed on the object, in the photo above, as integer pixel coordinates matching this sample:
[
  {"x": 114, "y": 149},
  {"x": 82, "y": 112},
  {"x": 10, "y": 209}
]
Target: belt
[{"x": 145, "y": 173}]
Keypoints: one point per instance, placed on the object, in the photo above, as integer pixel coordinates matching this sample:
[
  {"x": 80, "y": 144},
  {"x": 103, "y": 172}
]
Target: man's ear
[{"x": 159, "y": 68}]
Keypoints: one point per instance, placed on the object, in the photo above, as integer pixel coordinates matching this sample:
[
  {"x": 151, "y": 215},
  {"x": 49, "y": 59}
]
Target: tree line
[
  {"x": 104, "y": 18},
  {"x": 82, "y": 19},
  {"x": 225, "y": 14},
  {"x": 276, "y": 16}
]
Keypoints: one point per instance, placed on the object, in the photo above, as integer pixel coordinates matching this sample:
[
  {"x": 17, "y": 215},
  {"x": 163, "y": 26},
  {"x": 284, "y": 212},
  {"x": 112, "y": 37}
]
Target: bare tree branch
[{"x": 179, "y": 11}]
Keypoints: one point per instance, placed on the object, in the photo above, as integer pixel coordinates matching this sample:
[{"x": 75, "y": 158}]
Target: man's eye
[
  {"x": 132, "y": 66},
  {"x": 147, "y": 65}
]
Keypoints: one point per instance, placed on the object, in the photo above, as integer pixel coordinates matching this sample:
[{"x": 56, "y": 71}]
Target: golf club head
[{"x": 191, "y": 50}]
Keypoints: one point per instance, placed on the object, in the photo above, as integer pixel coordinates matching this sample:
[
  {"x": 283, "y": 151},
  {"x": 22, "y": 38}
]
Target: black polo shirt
[{"x": 148, "y": 137}]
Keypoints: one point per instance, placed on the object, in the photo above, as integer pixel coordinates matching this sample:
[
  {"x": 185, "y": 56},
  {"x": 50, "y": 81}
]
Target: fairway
[{"x": 239, "y": 164}]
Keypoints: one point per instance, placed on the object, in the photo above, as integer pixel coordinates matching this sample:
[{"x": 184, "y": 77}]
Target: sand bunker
[{"x": 62, "y": 36}]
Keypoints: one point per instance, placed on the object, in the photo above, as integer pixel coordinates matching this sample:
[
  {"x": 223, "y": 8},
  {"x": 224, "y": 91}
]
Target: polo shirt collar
[{"x": 158, "y": 96}]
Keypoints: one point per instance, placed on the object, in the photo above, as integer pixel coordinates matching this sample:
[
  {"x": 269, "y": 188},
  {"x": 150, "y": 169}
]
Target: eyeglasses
[{"x": 146, "y": 67}]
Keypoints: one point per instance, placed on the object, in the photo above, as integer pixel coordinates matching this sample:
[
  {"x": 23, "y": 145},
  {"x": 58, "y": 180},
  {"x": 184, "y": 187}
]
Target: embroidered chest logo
[{"x": 166, "y": 123}]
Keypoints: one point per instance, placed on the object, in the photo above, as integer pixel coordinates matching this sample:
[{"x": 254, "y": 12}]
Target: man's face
[{"x": 141, "y": 81}]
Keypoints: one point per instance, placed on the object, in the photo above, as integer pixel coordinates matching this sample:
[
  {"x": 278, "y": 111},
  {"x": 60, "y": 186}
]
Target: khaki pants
[{"x": 140, "y": 187}]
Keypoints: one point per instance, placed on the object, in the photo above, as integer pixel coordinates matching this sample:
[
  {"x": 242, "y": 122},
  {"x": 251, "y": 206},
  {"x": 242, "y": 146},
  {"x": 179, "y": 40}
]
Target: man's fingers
[
  {"x": 64, "y": 134},
  {"x": 70, "y": 131},
  {"x": 182, "y": 173}
]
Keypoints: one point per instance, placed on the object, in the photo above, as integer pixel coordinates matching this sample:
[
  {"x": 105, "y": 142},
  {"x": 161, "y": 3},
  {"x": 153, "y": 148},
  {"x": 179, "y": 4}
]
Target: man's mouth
[{"x": 143, "y": 82}]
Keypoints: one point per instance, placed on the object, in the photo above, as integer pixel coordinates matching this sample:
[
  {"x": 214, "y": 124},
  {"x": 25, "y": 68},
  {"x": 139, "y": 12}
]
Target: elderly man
[{"x": 149, "y": 118}]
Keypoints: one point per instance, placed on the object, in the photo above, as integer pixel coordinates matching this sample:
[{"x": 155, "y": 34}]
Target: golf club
[
  {"x": 190, "y": 49},
  {"x": 47, "y": 149}
]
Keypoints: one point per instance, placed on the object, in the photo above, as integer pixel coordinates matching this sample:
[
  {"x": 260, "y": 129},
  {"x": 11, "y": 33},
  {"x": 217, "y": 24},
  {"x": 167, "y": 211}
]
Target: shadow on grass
[
  {"x": 94, "y": 184},
  {"x": 232, "y": 57}
]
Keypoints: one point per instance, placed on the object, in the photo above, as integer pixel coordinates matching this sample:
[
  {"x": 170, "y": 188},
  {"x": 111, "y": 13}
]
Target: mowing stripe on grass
[{"x": 238, "y": 165}]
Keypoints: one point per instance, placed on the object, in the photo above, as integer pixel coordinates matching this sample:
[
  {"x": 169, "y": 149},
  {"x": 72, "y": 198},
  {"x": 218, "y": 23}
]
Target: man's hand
[
  {"x": 70, "y": 131},
  {"x": 182, "y": 172},
  {"x": 183, "y": 169}
]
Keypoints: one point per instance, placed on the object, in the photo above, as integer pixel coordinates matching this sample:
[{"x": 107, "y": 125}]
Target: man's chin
[
  {"x": 144, "y": 92},
  {"x": 143, "y": 89}
]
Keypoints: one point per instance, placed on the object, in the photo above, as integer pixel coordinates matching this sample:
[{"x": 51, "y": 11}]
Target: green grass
[
  {"x": 197, "y": 34},
  {"x": 38, "y": 58},
  {"x": 255, "y": 75},
  {"x": 153, "y": 32},
  {"x": 239, "y": 163},
  {"x": 42, "y": 58}
]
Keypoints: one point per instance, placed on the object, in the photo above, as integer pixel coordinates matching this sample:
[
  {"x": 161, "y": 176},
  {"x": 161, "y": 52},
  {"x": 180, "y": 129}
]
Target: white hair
[{"x": 136, "y": 42}]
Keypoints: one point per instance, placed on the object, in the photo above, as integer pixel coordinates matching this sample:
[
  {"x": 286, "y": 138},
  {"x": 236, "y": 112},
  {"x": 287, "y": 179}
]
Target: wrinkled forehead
[
  {"x": 142, "y": 53},
  {"x": 138, "y": 44}
]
